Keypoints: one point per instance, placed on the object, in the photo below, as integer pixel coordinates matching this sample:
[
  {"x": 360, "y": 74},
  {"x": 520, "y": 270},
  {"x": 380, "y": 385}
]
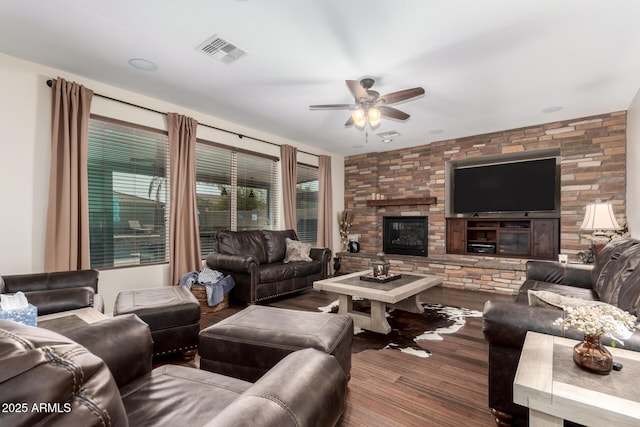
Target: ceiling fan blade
[
  {"x": 402, "y": 95},
  {"x": 392, "y": 113},
  {"x": 332, "y": 107},
  {"x": 349, "y": 122},
  {"x": 357, "y": 90}
]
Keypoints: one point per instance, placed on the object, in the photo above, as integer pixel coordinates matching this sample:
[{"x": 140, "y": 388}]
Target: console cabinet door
[
  {"x": 545, "y": 231},
  {"x": 456, "y": 236}
]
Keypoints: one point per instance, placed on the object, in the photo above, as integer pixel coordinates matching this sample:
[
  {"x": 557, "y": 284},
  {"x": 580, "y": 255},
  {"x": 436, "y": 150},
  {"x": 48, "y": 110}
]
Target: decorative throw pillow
[
  {"x": 548, "y": 299},
  {"x": 296, "y": 251}
]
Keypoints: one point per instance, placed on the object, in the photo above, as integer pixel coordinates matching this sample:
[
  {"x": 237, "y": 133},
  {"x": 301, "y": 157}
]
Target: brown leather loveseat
[
  {"x": 614, "y": 279},
  {"x": 255, "y": 259},
  {"x": 49, "y": 379},
  {"x": 57, "y": 291}
]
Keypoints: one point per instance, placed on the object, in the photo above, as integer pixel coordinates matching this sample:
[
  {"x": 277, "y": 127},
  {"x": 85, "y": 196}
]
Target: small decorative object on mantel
[
  {"x": 597, "y": 321},
  {"x": 353, "y": 246},
  {"x": 345, "y": 220}
]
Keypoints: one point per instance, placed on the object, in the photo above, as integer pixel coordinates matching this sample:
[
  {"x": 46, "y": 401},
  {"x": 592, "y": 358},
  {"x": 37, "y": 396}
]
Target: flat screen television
[{"x": 521, "y": 186}]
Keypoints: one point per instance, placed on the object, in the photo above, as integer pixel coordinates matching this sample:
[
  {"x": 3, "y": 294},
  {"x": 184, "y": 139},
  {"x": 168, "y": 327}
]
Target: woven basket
[{"x": 200, "y": 293}]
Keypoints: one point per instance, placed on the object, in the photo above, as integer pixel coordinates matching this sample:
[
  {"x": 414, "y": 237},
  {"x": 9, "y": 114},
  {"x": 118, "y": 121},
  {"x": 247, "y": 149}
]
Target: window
[
  {"x": 235, "y": 191},
  {"x": 128, "y": 194},
  {"x": 213, "y": 193},
  {"x": 307, "y": 203}
]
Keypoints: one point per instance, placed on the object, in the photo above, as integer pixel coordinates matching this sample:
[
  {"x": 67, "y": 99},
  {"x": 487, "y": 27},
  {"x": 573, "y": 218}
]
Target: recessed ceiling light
[
  {"x": 436, "y": 131},
  {"x": 553, "y": 109},
  {"x": 387, "y": 140},
  {"x": 142, "y": 64}
]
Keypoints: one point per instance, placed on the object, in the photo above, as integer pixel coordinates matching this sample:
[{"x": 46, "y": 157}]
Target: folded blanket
[
  {"x": 189, "y": 279},
  {"x": 208, "y": 275},
  {"x": 216, "y": 291}
]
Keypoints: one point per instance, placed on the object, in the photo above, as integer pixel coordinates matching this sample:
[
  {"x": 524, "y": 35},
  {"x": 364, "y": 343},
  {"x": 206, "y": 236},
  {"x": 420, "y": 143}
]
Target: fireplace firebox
[{"x": 405, "y": 235}]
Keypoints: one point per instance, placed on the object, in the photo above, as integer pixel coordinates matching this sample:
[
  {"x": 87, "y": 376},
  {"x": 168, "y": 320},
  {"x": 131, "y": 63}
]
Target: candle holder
[{"x": 381, "y": 266}]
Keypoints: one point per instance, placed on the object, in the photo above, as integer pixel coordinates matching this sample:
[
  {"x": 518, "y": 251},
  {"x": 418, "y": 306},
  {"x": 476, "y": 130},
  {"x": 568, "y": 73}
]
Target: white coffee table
[
  {"x": 401, "y": 294},
  {"x": 554, "y": 388}
]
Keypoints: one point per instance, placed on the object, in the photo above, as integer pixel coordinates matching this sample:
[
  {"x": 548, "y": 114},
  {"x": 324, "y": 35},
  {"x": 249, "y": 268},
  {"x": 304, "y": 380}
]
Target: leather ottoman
[
  {"x": 172, "y": 313},
  {"x": 252, "y": 341}
]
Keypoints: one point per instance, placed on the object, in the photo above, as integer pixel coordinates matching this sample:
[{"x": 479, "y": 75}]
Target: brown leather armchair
[
  {"x": 57, "y": 291},
  {"x": 255, "y": 260},
  {"x": 614, "y": 279},
  {"x": 109, "y": 380}
]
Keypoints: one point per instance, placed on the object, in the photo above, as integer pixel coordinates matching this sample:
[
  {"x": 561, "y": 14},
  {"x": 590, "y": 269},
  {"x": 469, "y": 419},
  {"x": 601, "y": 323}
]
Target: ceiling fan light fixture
[
  {"x": 358, "y": 115},
  {"x": 360, "y": 124},
  {"x": 359, "y": 118},
  {"x": 374, "y": 117},
  {"x": 370, "y": 106}
]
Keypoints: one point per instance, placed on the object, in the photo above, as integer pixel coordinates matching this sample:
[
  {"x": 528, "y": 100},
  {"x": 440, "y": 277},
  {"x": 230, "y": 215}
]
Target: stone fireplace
[
  {"x": 594, "y": 156},
  {"x": 405, "y": 235}
]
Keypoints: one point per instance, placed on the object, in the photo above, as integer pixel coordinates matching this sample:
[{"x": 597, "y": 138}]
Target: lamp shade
[
  {"x": 358, "y": 115},
  {"x": 359, "y": 118},
  {"x": 374, "y": 117},
  {"x": 599, "y": 216}
]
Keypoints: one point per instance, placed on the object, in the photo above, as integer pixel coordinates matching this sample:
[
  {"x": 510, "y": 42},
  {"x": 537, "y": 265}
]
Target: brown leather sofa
[
  {"x": 614, "y": 278},
  {"x": 109, "y": 380},
  {"x": 57, "y": 291},
  {"x": 255, "y": 260}
]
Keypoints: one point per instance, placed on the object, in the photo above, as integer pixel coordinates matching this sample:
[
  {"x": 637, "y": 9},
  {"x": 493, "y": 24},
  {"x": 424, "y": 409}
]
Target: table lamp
[{"x": 599, "y": 218}]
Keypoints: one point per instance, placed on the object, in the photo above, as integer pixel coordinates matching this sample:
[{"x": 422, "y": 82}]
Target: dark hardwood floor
[{"x": 390, "y": 388}]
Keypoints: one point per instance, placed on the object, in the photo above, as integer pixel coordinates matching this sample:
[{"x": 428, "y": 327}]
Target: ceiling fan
[{"x": 370, "y": 105}]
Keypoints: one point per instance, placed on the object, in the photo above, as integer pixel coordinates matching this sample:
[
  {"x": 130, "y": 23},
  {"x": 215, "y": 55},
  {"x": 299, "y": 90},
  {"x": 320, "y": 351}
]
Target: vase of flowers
[
  {"x": 597, "y": 321},
  {"x": 591, "y": 355},
  {"x": 345, "y": 219}
]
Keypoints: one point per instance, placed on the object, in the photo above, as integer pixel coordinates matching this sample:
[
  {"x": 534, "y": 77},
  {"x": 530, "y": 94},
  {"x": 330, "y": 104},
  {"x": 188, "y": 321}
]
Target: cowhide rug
[{"x": 409, "y": 331}]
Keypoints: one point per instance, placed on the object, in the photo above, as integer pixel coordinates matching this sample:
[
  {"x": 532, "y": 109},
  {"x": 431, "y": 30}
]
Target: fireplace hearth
[{"x": 405, "y": 235}]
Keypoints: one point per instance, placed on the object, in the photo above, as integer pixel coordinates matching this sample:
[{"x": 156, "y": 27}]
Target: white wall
[
  {"x": 633, "y": 171},
  {"x": 25, "y": 116}
]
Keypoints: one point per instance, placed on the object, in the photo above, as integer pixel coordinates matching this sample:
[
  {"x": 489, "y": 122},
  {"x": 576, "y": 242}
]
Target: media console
[{"x": 505, "y": 237}]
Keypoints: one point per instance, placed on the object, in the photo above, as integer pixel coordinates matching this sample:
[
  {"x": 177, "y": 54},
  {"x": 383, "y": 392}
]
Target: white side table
[{"x": 554, "y": 388}]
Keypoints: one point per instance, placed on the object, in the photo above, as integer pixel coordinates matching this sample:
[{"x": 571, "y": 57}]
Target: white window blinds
[
  {"x": 235, "y": 191},
  {"x": 307, "y": 203},
  {"x": 128, "y": 194}
]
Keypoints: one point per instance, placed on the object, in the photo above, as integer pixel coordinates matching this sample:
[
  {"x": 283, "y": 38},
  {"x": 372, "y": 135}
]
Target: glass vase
[{"x": 591, "y": 355}]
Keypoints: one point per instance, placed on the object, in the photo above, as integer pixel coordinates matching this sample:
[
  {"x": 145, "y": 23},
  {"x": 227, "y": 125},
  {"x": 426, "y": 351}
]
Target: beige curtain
[
  {"x": 289, "y": 160},
  {"x": 184, "y": 237},
  {"x": 67, "y": 228},
  {"x": 325, "y": 204}
]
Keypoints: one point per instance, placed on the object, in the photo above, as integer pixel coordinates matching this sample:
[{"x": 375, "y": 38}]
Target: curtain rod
[{"x": 50, "y": 84}]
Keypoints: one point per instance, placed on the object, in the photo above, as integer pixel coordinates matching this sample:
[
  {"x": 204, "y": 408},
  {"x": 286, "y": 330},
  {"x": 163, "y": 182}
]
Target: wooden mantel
[{"x": 403, "y": 202}]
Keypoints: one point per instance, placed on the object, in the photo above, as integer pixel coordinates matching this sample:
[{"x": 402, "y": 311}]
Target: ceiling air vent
[
  {"x": 387, "y": 136},
  {"x": 221, "y": 49}
]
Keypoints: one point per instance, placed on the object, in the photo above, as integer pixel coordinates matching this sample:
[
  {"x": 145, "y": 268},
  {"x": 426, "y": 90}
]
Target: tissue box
[{"x": 26, "y": 315}]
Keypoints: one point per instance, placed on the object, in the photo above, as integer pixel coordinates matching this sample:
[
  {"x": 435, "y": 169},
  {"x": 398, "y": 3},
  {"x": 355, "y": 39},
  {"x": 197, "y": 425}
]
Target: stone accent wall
[{"x": 593, "y": 151}]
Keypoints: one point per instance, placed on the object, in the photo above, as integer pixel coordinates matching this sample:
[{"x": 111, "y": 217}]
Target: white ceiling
[{"x": 486, "y": 65}]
